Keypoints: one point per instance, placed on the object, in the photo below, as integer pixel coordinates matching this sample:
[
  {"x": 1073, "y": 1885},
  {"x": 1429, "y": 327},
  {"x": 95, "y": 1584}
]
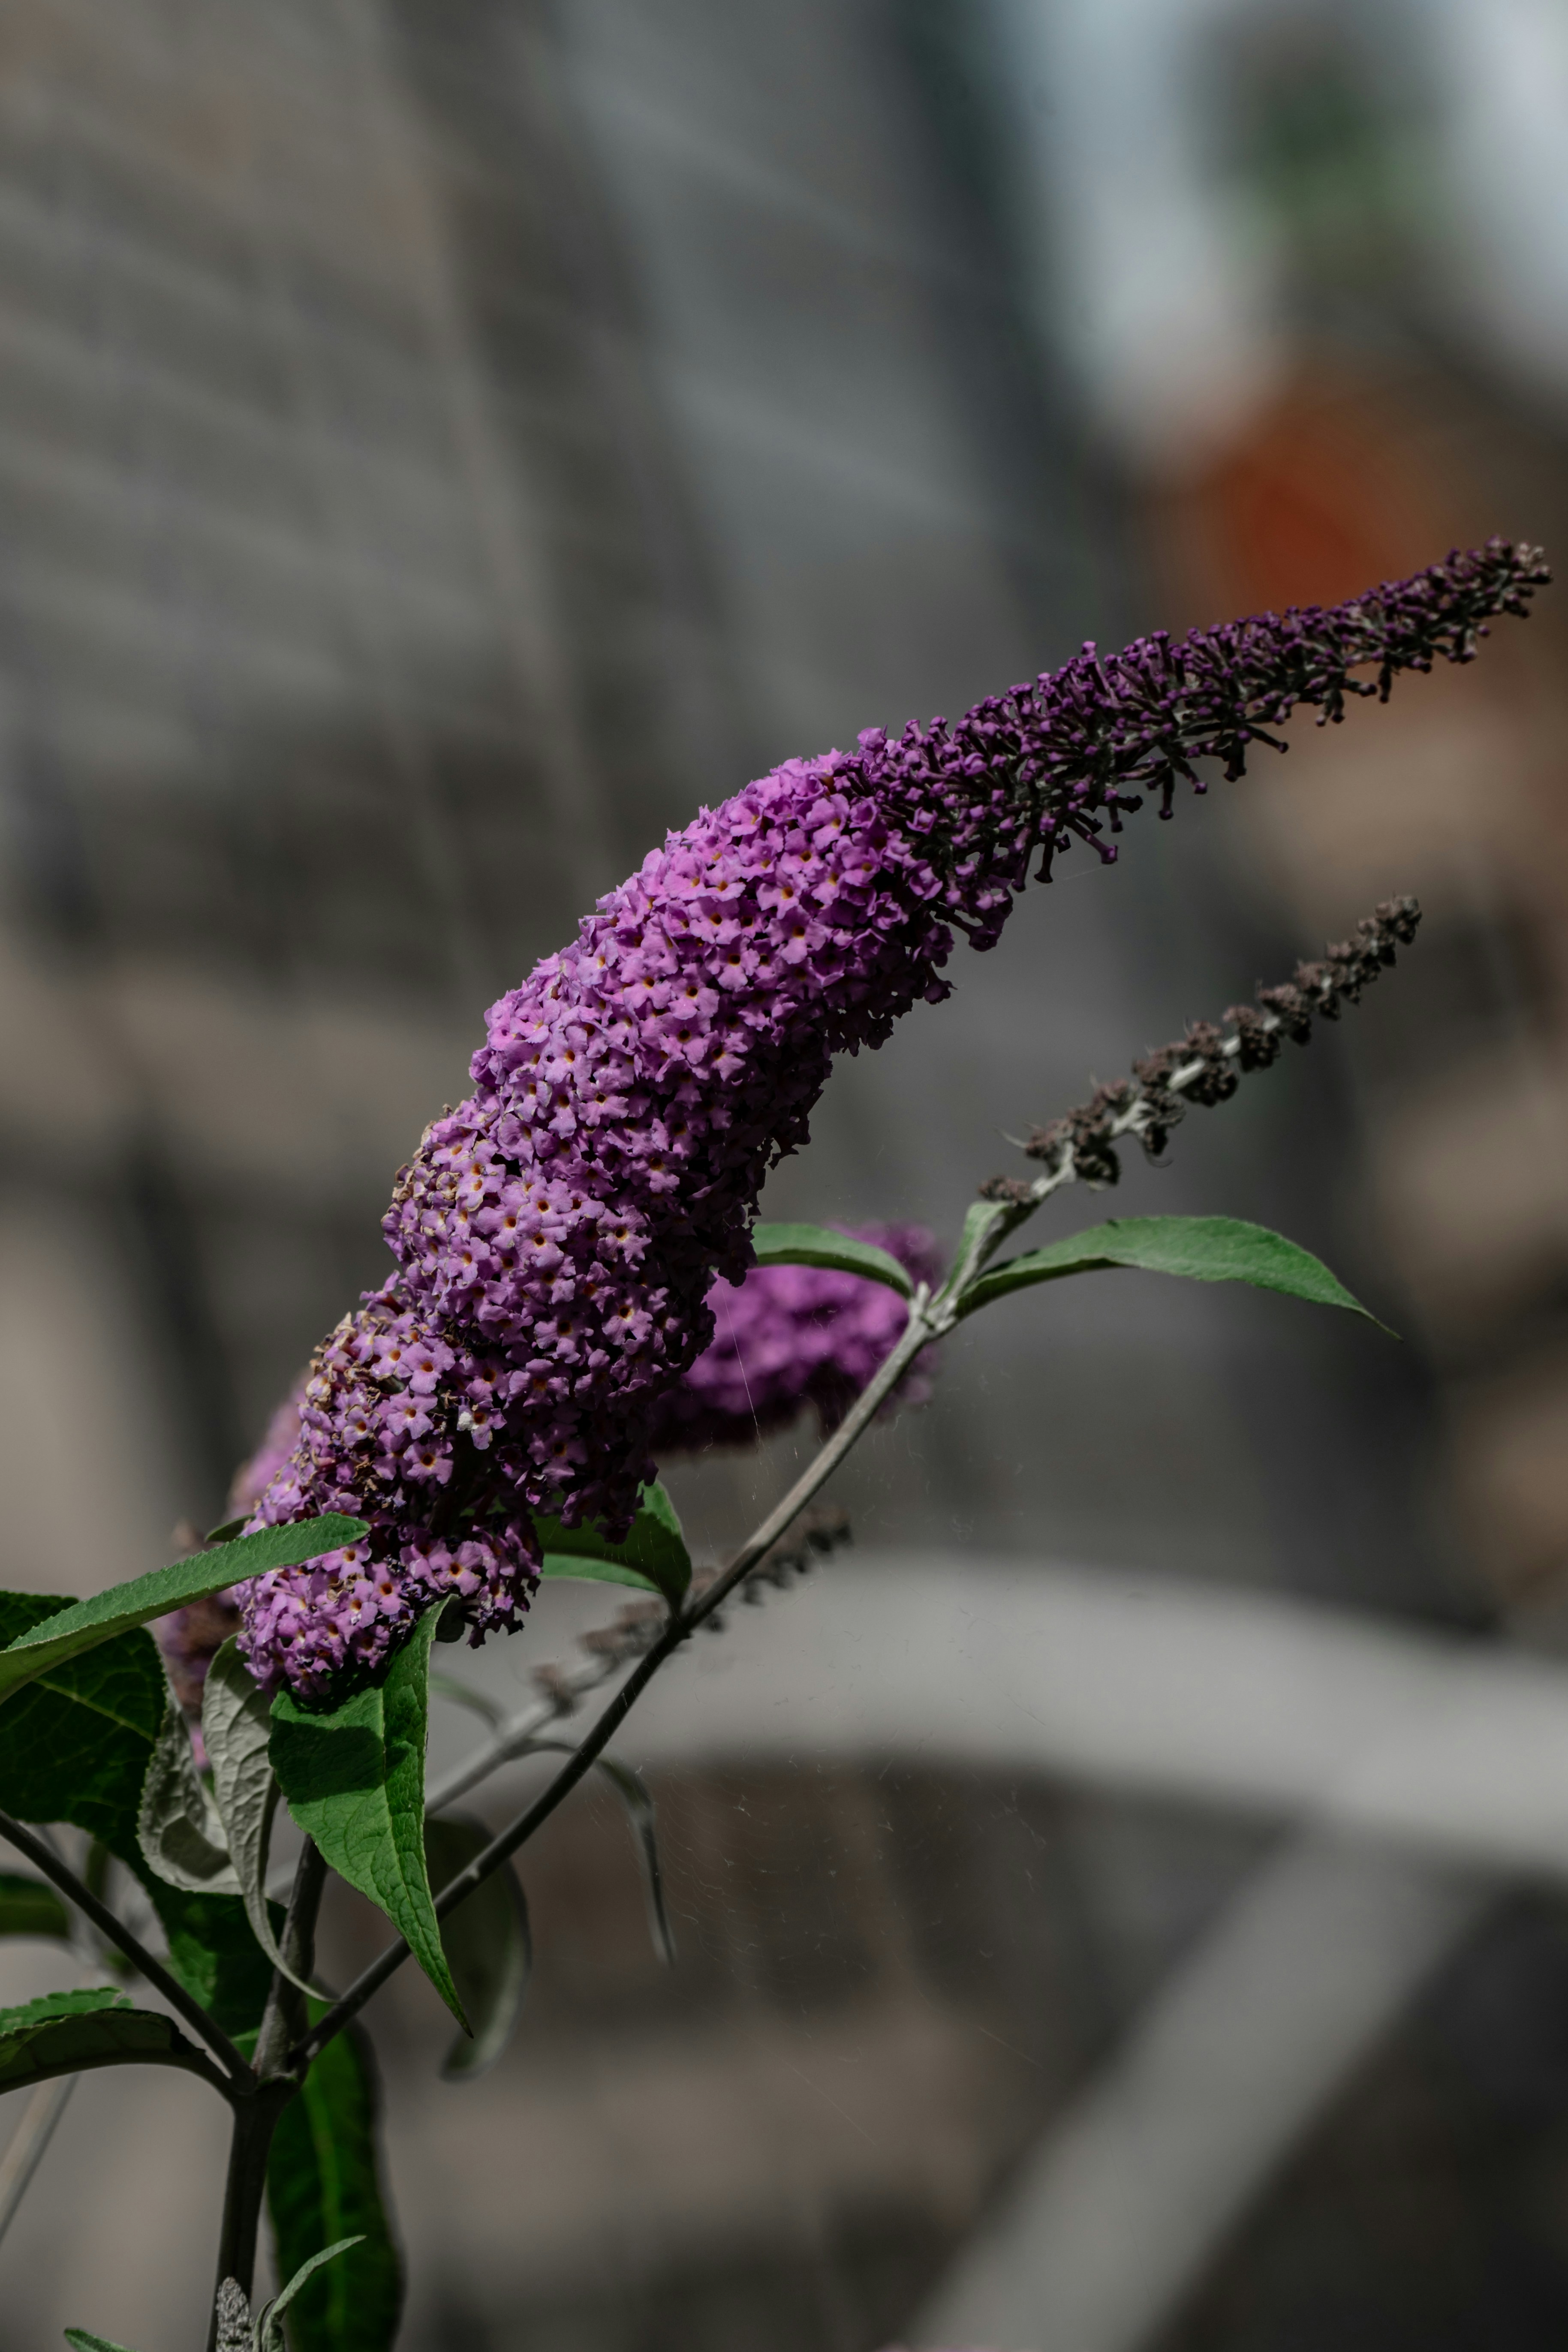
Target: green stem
[
  {"x": 918, "y": 1334},
  {"x": 256, "y": 2116},
  {"x": 255, "y": 2121},
  {"x": 285, "y": 2014}
]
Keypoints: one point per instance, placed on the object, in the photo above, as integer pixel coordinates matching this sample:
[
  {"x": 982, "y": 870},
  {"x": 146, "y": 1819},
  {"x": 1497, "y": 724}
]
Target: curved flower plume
[
  {"x": 790, "y": 1337},
  {"x": 556, "y": 1235}
]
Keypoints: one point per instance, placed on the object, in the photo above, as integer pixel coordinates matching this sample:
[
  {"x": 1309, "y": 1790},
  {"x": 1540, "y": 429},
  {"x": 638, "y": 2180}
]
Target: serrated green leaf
[
  {"x": 82, "y": 1625},
  {"x": 820, "y": 1246},
  {"x": 28, "y": 1907},
  {"x": 655, "y": 1551},
  {"x": 75, "y": 1745},
  {"x": 1203, "y": 1249},
  {"x": 177, "y": 1824},
  {"x": 236, "y": 1731},
  {"x": 70, "y": 2032},
  {"x": 489, "y": 1945},
  {"x": 354, "y": 1781},
  {"x": 324, "y": 2184}
]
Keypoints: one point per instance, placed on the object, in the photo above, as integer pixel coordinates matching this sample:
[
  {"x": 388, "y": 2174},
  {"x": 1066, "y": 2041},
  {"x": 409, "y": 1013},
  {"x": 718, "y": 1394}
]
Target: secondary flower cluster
[
  {"x": 556, "y": 1235},
  {"x": 789, "y": 1337}
]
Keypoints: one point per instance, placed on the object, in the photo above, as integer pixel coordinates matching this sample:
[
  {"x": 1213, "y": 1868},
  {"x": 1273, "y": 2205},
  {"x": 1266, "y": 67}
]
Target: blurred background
[{"x": 441, "y": 447}]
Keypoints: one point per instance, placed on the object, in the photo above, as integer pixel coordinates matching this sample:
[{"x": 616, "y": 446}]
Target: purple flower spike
[
  {"x": 789, "y": 1337},
  {"x": 557, "y": 1234},
  {"x": 252, "y": 1479}
]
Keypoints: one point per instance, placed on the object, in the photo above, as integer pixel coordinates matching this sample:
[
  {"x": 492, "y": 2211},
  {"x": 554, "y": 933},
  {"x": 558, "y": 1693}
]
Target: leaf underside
[
  {"x": 354, "y": 1781},
  {"x": 489, "y": 1945},
  {"x": 177, "y": 1823},
  {"x": 820, "y": 1246},
  {"x": 640, "y": 1813},
  {"x": 236, "y": 1728},
  {"x": 1201, "y": 1249},
  {"x": 652, "y": 1556},
  {"x": 82, "y": 1625},
  {"x": 324, "y": 2184}
]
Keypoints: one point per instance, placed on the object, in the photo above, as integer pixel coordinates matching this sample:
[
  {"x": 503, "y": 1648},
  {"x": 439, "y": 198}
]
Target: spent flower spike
[{"x": 557, "y": 1234}]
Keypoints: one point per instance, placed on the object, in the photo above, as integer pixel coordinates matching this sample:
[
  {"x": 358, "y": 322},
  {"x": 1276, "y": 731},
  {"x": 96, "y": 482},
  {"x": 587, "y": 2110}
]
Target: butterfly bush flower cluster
[
  {"x": 555, "y": 1236},
  {"x": 790, "y": 1337}
]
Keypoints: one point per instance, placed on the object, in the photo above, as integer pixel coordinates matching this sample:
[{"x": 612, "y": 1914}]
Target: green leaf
[
  {"x": 67, "y": 2033},
  {"x": 354, "y": 1779},
  {"x": 268, "y": 2333},
  {"x": 236, "y": 1731},
  {"x": 30, "y": 1906},
  {"x": 654, "y": 1552},
  {"x": 177, "y": 1824},
  {"x": 489, "y": 1945},
  {"x": 640, "y": 1813},
  {"x": 83, "y": 1624},
  {"x": 820, "y": 1246},
  {"x": 74, "y": 1743},
  {"x": 634, "y": 1796},
  {"x": 978, "y": 1218},
  {"x": 80, "y": 2341},
  {"x": 75, "y": 1746},
  {"x": 1204, "y": 1249},
  {"x": 323, "y": 2185},
  {"x": 215, "y": 1955}
]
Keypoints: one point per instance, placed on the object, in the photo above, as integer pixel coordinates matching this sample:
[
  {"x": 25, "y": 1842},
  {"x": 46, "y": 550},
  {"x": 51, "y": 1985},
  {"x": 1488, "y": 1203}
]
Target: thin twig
[{"x": 45, "y": 1860}]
